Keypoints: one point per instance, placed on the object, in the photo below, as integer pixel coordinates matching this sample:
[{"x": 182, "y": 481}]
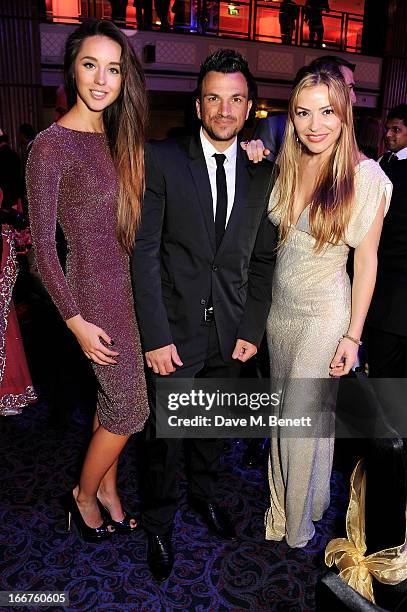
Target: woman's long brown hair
[
  {"x": 333, "y": 196},
  {"x": 124, "y": 121}
]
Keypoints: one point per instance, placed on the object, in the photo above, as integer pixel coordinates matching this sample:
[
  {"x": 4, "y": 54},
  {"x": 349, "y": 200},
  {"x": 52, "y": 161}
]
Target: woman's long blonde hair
[{"x": 334, "y": 192}]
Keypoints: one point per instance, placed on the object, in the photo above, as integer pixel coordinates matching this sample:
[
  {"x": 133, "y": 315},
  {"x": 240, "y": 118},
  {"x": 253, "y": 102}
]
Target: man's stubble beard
[{"x": 219, "y": 136}]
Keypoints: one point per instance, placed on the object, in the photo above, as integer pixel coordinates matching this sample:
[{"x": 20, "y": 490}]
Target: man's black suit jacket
[
  {"x": 175, "y": 267},
  {"x": 388, "y": 308}
]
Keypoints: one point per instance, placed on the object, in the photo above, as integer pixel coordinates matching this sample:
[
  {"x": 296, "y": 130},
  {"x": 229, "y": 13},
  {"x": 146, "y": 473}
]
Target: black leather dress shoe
[
  {"x": 215, "y": 517},
  {"x": 160, "y": 557}
]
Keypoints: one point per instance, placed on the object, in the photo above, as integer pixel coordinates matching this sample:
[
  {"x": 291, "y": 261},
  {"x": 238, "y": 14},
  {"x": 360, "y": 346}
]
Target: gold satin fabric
[{"x": 388, "y": 566}]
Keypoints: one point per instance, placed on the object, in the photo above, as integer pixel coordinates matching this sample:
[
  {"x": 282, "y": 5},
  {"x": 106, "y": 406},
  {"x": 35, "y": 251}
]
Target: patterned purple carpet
[{"x": 39, "y": 463}]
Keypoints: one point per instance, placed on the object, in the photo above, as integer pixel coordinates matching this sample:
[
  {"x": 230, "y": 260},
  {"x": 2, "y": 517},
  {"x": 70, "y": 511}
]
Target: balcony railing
[{"x": 261, "y": 20}]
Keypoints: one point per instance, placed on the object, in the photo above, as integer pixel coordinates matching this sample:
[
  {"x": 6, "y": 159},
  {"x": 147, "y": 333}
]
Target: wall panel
[
  {"x": 20, "y": 66},
  {"x": 395, "y": 61}
]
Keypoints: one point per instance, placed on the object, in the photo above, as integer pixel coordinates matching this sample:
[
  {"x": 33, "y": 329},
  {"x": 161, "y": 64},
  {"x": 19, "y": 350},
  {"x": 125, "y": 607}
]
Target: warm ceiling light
[{"x": 261, "y": 113}]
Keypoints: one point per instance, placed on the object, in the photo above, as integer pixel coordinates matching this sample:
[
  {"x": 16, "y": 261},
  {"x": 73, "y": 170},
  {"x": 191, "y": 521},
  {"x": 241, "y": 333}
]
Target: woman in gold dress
[{"x": 326, "y": 199}]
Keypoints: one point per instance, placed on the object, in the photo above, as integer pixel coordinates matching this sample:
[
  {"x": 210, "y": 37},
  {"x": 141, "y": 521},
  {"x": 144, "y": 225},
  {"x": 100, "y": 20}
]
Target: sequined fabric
[
  {"x": 16, "y": 389},
  {"x": 71, "y": 177},
  {"x": 310, "y": 311},
  {"x": 8, "y": 277}
]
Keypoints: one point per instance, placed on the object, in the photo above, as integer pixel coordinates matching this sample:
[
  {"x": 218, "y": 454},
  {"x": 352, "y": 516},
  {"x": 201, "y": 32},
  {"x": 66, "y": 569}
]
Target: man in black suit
[
  {"x": 387, "y": 321},
  {"x": 202, "y": 271}
]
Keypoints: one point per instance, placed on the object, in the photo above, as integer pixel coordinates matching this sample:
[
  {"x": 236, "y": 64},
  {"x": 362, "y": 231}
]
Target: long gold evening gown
[{"x": 310, "y": 311}]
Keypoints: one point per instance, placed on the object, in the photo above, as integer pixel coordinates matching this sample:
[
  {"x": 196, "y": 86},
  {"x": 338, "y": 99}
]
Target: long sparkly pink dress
[
  {"x": 16, "y": 388},
  {"x": 71, "y": 178}
]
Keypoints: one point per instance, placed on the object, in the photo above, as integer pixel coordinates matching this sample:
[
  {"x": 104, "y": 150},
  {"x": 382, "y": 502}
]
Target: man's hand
[
  {"x": 244, "y": 350},
  {"x": 162, "y": 360},
  {"x": 255, "y": 150}
]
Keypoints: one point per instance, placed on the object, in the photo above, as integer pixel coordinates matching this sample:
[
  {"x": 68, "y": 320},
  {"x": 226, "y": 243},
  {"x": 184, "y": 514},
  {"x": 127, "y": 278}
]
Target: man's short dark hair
[
  {"x": 336, "y": 60},
  {"x": 227, "y": 61},
  {"x": 332, "y": 63},
  {"x": 398, "y": 112}
]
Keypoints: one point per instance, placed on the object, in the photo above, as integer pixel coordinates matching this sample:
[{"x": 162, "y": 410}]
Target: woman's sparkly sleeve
[
  {"x": 44, "y": 172},
  {"x": 371, "y": 185}
]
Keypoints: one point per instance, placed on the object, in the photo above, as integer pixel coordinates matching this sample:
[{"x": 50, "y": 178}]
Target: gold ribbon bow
[{"x": 388, "y": 566}]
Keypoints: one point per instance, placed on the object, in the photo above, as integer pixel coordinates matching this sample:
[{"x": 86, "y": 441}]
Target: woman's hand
[
  {"x": 89, "y": 337},
  {"x": 255, "y": 150},
  {"x": 345, "y": 358}
]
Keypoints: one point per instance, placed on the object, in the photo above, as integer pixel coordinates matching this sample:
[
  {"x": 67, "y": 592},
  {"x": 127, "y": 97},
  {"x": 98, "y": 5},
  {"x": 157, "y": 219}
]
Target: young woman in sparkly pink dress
[{"x": 87, "y": 172}]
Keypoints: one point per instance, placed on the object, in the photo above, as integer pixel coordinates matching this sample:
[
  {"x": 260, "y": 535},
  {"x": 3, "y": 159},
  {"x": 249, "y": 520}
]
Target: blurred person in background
[
  {"x": 144, "y": 14},
  {"x": 119, "y": 11},
  {"x": 287, "y": 17},
  {"x": 313, "y": 17},
  {"x": 162, "y": 8},
  {"x": 16, "y": 388},
  {"x": 369, "y": 133},
  {"x": 387, "y": 332},
  {"x": 10, "y": 172}
]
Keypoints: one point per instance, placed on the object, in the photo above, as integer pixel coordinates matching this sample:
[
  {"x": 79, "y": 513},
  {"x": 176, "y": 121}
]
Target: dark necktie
[
  {"x": 389, "y": 158},
  {"x": 221, "y": 198}
]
